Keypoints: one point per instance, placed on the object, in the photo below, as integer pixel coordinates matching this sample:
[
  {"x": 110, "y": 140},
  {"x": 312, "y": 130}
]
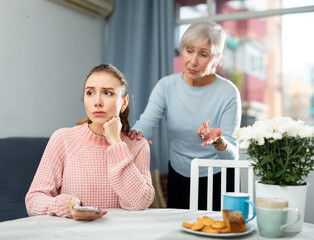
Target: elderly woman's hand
[
  {"x": 208, "y": 135},
  {"x": 83, "y": 215},
  {"x": 133, "y": 133}
]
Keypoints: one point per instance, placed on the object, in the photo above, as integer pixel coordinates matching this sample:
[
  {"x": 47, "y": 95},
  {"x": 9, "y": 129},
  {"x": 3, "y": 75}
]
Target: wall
[{"x": 46, "y": 52}]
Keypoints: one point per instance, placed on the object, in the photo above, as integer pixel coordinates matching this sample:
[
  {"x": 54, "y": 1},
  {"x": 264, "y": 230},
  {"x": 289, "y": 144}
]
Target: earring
[{"x": 122, "y": 110}]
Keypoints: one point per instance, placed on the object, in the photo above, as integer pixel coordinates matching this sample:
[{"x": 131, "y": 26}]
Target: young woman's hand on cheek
[{"x": 112, "y": 130}]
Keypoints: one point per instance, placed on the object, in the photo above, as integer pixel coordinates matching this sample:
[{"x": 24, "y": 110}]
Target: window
[{"x": 266, "y": 54}]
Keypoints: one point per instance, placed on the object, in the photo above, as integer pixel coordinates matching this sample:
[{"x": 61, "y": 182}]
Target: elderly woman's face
[{"x": 197, "y": 61}]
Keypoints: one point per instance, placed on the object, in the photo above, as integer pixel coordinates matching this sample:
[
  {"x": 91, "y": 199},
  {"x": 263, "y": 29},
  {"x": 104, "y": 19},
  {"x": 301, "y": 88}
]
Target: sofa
[{"x": 19, "y": 159}]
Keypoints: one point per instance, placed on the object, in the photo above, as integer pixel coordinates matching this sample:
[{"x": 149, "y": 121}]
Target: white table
[{"x": 122, "y": 224}]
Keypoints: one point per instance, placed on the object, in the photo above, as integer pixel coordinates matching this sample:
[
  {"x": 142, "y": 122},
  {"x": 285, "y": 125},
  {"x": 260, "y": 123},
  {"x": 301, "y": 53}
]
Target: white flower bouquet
[{"x": 281, "y": 150}]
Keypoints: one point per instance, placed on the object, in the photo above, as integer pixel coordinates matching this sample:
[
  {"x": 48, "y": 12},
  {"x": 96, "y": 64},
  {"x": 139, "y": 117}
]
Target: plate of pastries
[{"x": 232, "y": 225}]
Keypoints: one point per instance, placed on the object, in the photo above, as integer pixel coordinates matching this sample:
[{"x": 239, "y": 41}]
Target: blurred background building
[{"x": 254, "y": 58}]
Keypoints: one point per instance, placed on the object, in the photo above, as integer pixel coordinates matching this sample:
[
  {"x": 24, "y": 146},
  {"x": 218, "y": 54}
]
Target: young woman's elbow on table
[{"x": 141, "y": 203}]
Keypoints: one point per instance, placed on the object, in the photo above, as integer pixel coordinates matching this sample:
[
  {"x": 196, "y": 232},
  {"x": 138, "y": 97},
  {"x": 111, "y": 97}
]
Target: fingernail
[{"x": 104, "y": 212}]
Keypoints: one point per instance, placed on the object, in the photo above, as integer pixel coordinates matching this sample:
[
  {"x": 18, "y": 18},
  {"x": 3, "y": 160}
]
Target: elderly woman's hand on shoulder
[{"x": 133, "y": 133}]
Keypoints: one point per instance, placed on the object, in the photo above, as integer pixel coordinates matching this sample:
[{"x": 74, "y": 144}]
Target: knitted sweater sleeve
[
  {"x": 130, "y": 175},
  {"x": 43, "y": 197}
]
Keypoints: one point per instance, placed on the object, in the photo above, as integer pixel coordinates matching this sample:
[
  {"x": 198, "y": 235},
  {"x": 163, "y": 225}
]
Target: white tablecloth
[{"x": 122, "y": 224}]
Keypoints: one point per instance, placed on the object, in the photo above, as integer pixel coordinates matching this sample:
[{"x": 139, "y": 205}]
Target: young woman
[{"x": 95, "y": 163}]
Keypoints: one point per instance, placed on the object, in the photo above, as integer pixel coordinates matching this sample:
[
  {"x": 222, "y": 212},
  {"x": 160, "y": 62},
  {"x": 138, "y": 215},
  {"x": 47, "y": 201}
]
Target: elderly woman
[{"x": 192, "y": 101}]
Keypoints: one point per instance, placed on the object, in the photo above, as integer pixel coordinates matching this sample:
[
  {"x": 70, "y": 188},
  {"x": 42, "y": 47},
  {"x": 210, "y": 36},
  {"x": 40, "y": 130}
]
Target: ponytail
[{"x": 124, "y": 120}]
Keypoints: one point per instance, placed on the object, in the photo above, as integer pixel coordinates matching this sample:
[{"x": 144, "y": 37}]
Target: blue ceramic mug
[{"x": 239, "y": 202}]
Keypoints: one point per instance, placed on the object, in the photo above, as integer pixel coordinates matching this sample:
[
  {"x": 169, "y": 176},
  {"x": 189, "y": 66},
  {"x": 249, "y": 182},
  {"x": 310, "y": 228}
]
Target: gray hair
[{"x": 205, "y": 32}]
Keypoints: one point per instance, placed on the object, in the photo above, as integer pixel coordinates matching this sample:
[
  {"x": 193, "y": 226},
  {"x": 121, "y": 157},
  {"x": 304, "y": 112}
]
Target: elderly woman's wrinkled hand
[
  {"x": 133, "y": 133},
  {"x": 208, "y": 135}
]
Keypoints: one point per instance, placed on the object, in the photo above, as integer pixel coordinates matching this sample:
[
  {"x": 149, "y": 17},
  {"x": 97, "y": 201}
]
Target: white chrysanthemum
[
  {"x": 260, "y": 141},
  {"x": 275, "y": 128},
  {"x": 236, "y": 133},
  {"x": 306, "y": 132},
  {"x": 277, "y": 136},
  {"x": 245, "y": 144}
]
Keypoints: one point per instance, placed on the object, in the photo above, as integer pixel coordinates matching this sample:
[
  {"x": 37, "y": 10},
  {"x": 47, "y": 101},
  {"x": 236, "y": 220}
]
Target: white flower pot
[{"x": 296, "y": 196}]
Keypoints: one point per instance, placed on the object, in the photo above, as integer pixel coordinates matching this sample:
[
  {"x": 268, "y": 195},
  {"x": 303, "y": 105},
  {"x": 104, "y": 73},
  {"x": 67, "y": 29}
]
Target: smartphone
[{"x": 84, "y": 208}]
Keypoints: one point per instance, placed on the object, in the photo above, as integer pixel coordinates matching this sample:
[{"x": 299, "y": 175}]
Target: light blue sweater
[{"x": 185, "y": 109}]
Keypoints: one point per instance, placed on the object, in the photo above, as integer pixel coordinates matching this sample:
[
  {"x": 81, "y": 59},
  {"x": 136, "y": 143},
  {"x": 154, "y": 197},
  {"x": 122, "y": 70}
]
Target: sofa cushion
[{"x": 19, "y": 159}]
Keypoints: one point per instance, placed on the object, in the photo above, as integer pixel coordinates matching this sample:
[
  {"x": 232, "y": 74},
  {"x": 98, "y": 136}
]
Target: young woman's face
[
  {"x": 103, "y": 98},
  {"x": 197, "y": 61}
]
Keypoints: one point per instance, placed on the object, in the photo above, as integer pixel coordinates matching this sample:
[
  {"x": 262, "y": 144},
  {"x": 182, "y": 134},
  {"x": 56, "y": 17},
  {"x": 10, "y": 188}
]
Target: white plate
[{"x": 249, "y": 228}]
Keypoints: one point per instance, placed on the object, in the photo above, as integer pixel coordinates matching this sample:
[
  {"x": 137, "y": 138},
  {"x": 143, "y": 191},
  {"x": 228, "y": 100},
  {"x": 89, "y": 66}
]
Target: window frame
[{"x": 242, "y": 15}]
